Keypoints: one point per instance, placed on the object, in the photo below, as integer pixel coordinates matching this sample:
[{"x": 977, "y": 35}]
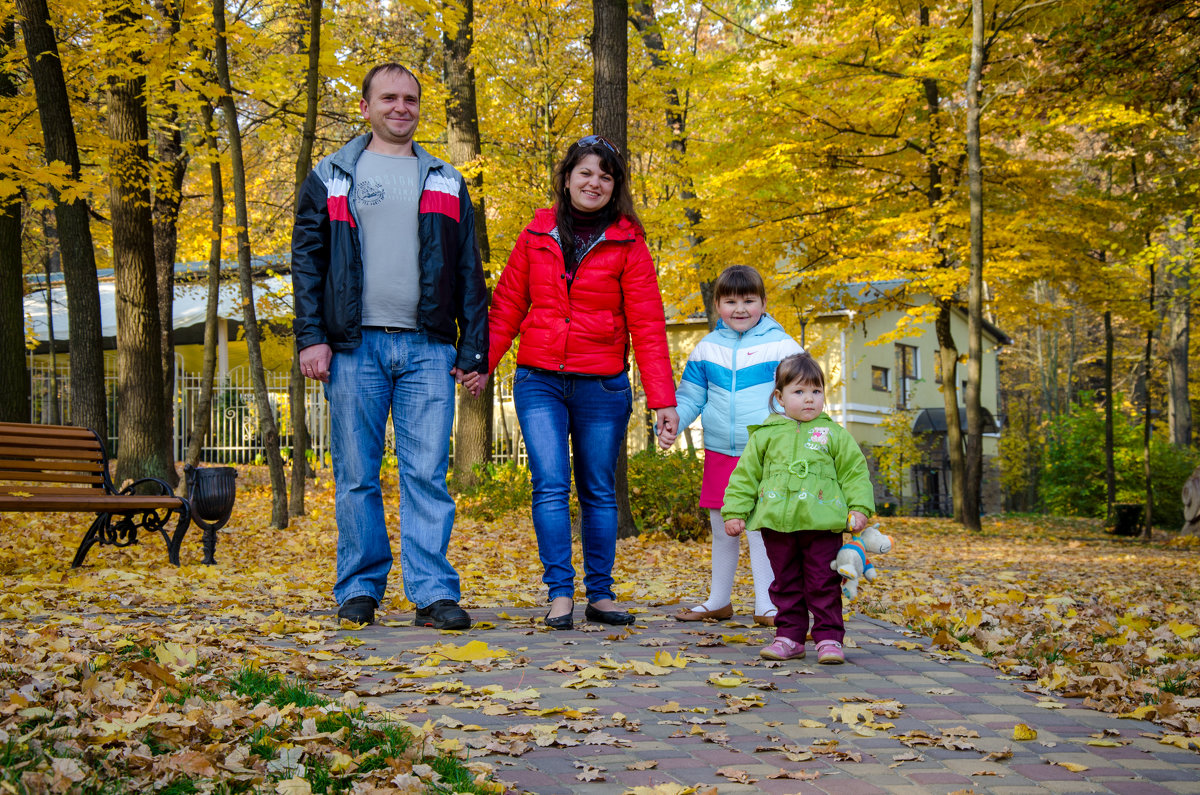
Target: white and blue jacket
[{"x": 728, "y": 380}]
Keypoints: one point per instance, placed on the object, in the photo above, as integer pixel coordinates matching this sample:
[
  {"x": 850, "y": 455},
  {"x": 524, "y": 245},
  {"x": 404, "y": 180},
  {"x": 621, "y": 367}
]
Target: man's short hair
[
  {"x": 739, "y": 280},
  {"x": 387, "y": 67}
]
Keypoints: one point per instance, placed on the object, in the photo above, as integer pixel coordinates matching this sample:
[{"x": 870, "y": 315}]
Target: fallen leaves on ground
[
  {"x": 123, "y": 669},
  {"x": 1058, "y": 602}
]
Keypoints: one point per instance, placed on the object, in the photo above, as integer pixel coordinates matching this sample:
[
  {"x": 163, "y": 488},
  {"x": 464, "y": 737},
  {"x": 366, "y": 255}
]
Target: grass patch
[
  {"x": 180, "y": 786},
  {"x": 274, "y": 689},
  {"x": 186, "y": 691},
  {"x": 253, "y": 683},
  {"x": 455, "y": 776},
  {"x": 262, "y": 744}
]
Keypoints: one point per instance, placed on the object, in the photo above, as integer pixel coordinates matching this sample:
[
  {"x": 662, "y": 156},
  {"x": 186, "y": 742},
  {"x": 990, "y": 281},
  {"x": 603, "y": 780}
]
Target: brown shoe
[
  {"x": 765, "y": 621},
  {"x": 688, "y": 614}
]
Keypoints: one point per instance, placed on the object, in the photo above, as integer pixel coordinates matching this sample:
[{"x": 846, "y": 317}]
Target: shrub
[
  {"x": 664, "y": 494},
  {"x": 501, "y": 489},
  {"x": 1073, "y": 479}
]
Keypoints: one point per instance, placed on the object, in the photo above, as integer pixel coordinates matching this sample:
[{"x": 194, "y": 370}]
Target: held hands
[
  {"x": 858, "y": 521},
  {"x": 315, "y": 361},
  {"x": 473, "y": 382},
  {"x": 667, "y": 424},
  {"x": 734, "y": 527}
]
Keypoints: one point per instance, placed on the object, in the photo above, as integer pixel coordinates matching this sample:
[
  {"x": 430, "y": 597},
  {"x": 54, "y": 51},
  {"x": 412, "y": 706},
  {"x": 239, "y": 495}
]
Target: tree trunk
[
  {"x": 973, "y": 469},
  {"x": 201, "y": 418},
  {"x": 267, "y": 427},
  {"x": 1147, "y": 363},
  {"x": 50, "y": 234},
  {"x": 144, "y": 449},
  {"x": 473, "y": 431},
  {"x": 947, "y": 349},
  {"x": 1178, "y": 309},
  {"x": 610, "y": 48},
  {"x": 954, "y": 437},
  {"x": 88, "y": 406},
  {"x": 14, "y": 371},
  {"x": 646, "y": 22},
  {"x": 168, "y": 196},
  {"x": 297, "y": 383},
  {"x": 1110, "y": 466}
]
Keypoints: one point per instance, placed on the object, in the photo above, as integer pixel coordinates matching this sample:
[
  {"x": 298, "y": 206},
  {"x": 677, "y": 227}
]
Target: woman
[{"x": 578, "y": 286}]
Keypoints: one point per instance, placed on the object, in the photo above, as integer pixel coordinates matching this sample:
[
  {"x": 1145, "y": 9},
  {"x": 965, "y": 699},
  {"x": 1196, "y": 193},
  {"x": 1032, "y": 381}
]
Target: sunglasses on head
[{"x": 593, "y": 140}]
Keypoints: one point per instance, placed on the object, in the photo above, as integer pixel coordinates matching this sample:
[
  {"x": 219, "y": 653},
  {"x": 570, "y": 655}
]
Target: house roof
[
  {"x": 184, "y": 271},
  {"x": 860, "y": 294}
]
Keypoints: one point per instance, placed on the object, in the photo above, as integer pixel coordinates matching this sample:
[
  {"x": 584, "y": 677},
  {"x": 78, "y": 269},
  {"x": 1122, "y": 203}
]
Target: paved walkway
[{"x": 588, "y": 711}]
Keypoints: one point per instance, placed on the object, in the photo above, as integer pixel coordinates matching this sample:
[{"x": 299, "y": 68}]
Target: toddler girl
[{"x": 799, "y": 480}]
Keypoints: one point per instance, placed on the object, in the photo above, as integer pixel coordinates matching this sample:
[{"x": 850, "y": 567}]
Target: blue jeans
[
  {"x": 408, "y": 374},
  {"x": 593, "y": 413}
]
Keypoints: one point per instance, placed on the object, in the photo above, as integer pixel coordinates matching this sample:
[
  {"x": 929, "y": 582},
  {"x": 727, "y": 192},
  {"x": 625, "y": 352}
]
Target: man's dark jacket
[{"x": 327, "y": 269}]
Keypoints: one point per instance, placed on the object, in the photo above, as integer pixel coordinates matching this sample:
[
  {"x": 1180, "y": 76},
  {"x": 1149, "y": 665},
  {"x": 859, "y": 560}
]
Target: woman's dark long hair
[{"x": 611, "y": 163}]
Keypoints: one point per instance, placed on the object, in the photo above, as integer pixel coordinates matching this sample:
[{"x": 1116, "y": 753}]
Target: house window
[
  {"x": 906, "y": 373},
  {"x": 879, "y": 379}
]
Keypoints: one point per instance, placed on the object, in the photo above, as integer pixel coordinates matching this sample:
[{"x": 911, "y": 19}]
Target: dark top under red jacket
[{"x": 613, "y": 297}]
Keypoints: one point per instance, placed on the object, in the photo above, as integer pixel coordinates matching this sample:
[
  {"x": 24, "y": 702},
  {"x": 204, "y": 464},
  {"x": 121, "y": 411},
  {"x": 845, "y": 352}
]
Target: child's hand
[
  {"x": 666, "y": 438},
  {"x": 858, "y": 521},
  {"x": 734, "y": 527}
]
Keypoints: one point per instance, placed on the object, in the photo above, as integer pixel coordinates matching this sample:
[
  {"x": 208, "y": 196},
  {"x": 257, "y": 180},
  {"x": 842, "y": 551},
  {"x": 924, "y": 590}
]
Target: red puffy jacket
[{"x": 614, "y": 296}]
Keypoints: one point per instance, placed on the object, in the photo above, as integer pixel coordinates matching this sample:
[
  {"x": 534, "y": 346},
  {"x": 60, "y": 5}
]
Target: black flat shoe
[
  {"x": 561, "y": 622},
  {"x": 616, "y": 617}
]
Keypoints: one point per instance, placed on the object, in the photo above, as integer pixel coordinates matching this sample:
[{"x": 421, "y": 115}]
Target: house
[{"x": 879, "y": 351}]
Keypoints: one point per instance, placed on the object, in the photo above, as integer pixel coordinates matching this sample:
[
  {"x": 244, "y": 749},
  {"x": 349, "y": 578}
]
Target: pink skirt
[{"x": 717, "y": 469}]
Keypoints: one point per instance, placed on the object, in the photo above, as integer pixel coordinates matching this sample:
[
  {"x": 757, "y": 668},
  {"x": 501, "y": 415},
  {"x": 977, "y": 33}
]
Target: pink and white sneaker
[
  {"x": 829, "y": 652},
  {"x": 782, "y": 649}
]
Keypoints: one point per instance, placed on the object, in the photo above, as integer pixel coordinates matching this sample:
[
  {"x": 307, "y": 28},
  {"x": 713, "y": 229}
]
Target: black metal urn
[{"x": 211, "y": 492}]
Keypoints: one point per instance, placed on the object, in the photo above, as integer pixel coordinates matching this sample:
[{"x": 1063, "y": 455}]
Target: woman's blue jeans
[{"x": 591, "y": 415}]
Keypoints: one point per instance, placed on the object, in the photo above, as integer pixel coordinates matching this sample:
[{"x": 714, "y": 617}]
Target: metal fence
[{"x": 233, "y": 436}]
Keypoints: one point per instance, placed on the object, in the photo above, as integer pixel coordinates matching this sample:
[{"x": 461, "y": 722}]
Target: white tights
[{"x": 725, "y": 551}]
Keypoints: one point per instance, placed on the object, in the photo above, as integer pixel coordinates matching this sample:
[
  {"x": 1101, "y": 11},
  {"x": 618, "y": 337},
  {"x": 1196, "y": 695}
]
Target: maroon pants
[{"x": 804, "y": 583}]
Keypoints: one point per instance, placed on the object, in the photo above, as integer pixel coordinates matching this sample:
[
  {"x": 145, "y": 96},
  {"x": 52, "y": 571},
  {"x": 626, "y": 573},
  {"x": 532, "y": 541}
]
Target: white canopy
[{"x": 189, "y": 307}]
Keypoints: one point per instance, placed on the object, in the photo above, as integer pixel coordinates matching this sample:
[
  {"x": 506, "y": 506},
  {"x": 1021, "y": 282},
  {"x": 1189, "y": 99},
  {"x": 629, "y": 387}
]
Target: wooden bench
[{"x": 64, "y": 468}]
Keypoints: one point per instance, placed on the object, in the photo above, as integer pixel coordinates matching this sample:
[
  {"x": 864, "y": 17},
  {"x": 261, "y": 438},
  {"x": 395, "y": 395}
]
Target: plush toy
[{"x": 852, "y": 563}]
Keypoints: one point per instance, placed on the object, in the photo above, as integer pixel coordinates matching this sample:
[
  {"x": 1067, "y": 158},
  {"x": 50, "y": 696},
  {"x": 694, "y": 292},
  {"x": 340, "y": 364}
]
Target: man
[{"x": 391, "y": 310}]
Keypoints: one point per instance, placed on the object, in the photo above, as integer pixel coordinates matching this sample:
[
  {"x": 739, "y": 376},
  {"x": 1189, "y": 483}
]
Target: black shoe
[
  {"x": 561, "y": 622},
  {"x": 359, "y": 609},
  {"x": 617, "y": 617},
  {"x": 442, "y": 614}
]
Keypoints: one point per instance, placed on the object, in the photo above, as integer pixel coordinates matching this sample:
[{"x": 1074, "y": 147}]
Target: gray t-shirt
[{"x": 386, "y": 199}]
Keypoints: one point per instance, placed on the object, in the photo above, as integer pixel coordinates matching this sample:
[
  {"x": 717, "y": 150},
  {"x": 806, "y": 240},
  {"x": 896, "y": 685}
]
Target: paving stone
[
  {"x": 875, "y": 672},
  {"x": 1137, "y": 788}
]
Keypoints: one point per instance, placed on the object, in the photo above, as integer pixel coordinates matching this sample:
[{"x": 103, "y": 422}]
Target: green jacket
[{"x": 799, "y": 476}]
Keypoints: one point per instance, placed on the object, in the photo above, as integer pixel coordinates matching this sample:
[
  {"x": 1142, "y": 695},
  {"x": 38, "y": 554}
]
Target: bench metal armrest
[{"x": 165, "y": 488}]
